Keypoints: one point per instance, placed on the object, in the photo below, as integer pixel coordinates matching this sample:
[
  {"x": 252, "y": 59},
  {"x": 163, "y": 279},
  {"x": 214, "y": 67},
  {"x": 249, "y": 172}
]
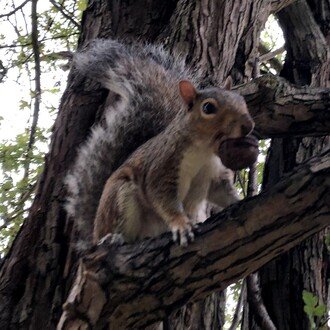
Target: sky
[{"x": 13, "y": 90}]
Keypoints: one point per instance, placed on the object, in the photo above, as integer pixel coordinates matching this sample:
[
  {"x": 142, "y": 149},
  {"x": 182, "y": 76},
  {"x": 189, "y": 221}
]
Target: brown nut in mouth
[{"x": 239, "y": 153}]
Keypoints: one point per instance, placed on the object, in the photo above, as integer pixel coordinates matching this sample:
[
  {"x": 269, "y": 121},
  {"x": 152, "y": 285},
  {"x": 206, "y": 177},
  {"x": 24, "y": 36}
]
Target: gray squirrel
[{"x": 175, "y": 127}]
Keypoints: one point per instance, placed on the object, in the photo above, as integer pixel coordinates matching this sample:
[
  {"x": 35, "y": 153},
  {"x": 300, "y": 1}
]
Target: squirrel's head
[{"x": 217, "y": 111}]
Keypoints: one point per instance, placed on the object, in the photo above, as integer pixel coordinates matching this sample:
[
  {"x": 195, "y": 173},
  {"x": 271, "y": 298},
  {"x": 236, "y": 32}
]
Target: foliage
[
  {"x": 271, "y": 40},
  {"x": 19, "y": 173},
  {"x": 272, "y": 36},
  {"x": 316, "y": 312},
  {"x": 23, "y": 147}
]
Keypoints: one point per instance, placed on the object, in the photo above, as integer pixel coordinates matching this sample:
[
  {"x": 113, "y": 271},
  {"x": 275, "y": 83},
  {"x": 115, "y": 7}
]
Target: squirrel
[{"x": 153, "y": 164}]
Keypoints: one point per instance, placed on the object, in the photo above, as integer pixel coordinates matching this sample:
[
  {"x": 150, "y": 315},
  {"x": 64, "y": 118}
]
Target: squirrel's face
[{"x": 216, "y": 113}]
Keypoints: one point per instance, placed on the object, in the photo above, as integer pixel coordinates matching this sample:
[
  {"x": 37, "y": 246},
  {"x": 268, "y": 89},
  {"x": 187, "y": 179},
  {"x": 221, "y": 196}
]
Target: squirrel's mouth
[
  {"x": 243, "y": 142},
  {"x": 219, "y": 138}
]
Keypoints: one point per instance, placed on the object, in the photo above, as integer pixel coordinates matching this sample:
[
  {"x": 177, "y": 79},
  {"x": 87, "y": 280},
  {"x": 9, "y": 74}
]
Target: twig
[
  {"x": 276, "y": 64},
  {"x": 268, "y": 56},
  {"x": 8, "y": 220},
  {"x": 61, "y": 10},
  {"x": 41, "y": 40},
  {"x": 239, "y": 179},
  {"x": 58, "y": 55},
  {"x": 252, "y": 187},
  {"x": 15, "y": 9},
  {"x": 18, "y": 207}
]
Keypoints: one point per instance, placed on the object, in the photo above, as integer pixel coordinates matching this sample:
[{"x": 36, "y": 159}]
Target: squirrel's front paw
[{"x": 182, "y": 230}]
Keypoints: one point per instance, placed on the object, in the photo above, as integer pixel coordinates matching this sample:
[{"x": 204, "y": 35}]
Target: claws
[
  {"x": 112, "y": 239},
  {"x": 182, "y": 232}
]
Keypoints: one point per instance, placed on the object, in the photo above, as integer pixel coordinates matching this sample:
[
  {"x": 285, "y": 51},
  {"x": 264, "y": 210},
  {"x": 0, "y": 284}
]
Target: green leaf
[
  {"x": 23, "y": 104},
  {"x": 82, "y": 5},
  {"x": 309, "y": 311},
  {"x": 320, "y": 310},
  {"x": 309, "y": 299}
]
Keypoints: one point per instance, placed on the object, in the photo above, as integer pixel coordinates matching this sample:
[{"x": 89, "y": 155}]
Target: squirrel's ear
[
  {"x": 228, "y": 83},
  {"x": 188, "y": 91}
]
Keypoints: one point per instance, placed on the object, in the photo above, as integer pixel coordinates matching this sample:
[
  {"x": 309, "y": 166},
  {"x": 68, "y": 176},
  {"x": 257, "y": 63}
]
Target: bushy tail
[
  {"x": 125, "y": 68},
  {"x": 94, "y": 164},
  {"x": 145, "y": 78}
]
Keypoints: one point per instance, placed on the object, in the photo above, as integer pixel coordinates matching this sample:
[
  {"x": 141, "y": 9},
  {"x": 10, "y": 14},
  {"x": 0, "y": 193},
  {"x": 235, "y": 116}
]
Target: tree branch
[
  {"x": 131, "y": 286},
  {"x": 37, "y": 89},
  {"x": 15, "y": 9},
  {"x": 67, "y": 16},
  {"x": 282, "y": 109},
  {"x": 254, "y": 297},
  {"x": 269, "y": 56},
  {"x": 255, "y": 301}
]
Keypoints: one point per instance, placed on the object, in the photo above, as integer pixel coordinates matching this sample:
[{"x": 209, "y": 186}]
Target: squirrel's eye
[{"x": 209, "y": 108}]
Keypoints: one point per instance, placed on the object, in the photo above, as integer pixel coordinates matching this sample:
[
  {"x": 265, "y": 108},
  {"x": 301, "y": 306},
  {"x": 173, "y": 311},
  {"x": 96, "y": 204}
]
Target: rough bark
[
  {"x": 307, "y": 61},
  {"x": 135, "y": 285},
  {"x": 279, "y": 107},
  {"x": 306, "y": 266},
  {"x": 38, "y": 271}
]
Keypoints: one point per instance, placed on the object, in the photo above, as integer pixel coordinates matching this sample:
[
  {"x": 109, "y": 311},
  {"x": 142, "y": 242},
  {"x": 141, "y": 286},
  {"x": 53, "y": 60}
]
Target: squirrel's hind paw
[{"x": 112, "y": 239}]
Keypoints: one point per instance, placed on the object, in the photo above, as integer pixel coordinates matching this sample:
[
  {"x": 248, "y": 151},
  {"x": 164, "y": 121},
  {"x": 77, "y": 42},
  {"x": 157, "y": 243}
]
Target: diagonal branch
[
  {"x": 269, "y": 56},
  {"x": 131, "y": 286},
  {"x": 282, "y": 109},
  {"x": 15, "y": 9},
  {"x": 66, "y": 15}
]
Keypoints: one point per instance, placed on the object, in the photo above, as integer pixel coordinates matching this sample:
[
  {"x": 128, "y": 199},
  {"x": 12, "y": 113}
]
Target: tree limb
[
  {"x": 269, "y": 56},
  {"x": 254, "y": 297},
  {"x": 131, "y": 286},
  {"x": 255, "y": 301},
  {"x": 282, "y": 109},
  {"x": 66, "y": 15},
  {"x": 37, "y": 89},
  {"x": 15, "y": 9}
]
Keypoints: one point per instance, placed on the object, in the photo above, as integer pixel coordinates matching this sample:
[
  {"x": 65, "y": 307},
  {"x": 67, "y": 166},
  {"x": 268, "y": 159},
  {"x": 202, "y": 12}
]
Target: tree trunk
[
  {"x": 306, "y": 267},
  {"x": 216, "y": 38}
]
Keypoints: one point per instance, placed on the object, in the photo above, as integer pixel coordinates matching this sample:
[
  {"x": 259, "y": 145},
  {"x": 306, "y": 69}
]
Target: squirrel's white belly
[
  {"x": 195, "y": 200},
  {"x": 194, "y": 159}
]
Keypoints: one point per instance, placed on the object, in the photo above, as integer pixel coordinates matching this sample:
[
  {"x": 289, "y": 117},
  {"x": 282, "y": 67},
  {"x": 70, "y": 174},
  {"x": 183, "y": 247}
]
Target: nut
[{"x": 239, "y": 153}]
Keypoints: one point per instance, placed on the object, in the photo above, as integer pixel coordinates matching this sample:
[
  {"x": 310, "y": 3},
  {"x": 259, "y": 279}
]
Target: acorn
[{"x": 239, "y": 153}]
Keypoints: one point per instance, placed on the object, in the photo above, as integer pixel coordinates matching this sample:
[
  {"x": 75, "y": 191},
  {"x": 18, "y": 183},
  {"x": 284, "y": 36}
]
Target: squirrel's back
[{"x": 144, "y": 79}]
